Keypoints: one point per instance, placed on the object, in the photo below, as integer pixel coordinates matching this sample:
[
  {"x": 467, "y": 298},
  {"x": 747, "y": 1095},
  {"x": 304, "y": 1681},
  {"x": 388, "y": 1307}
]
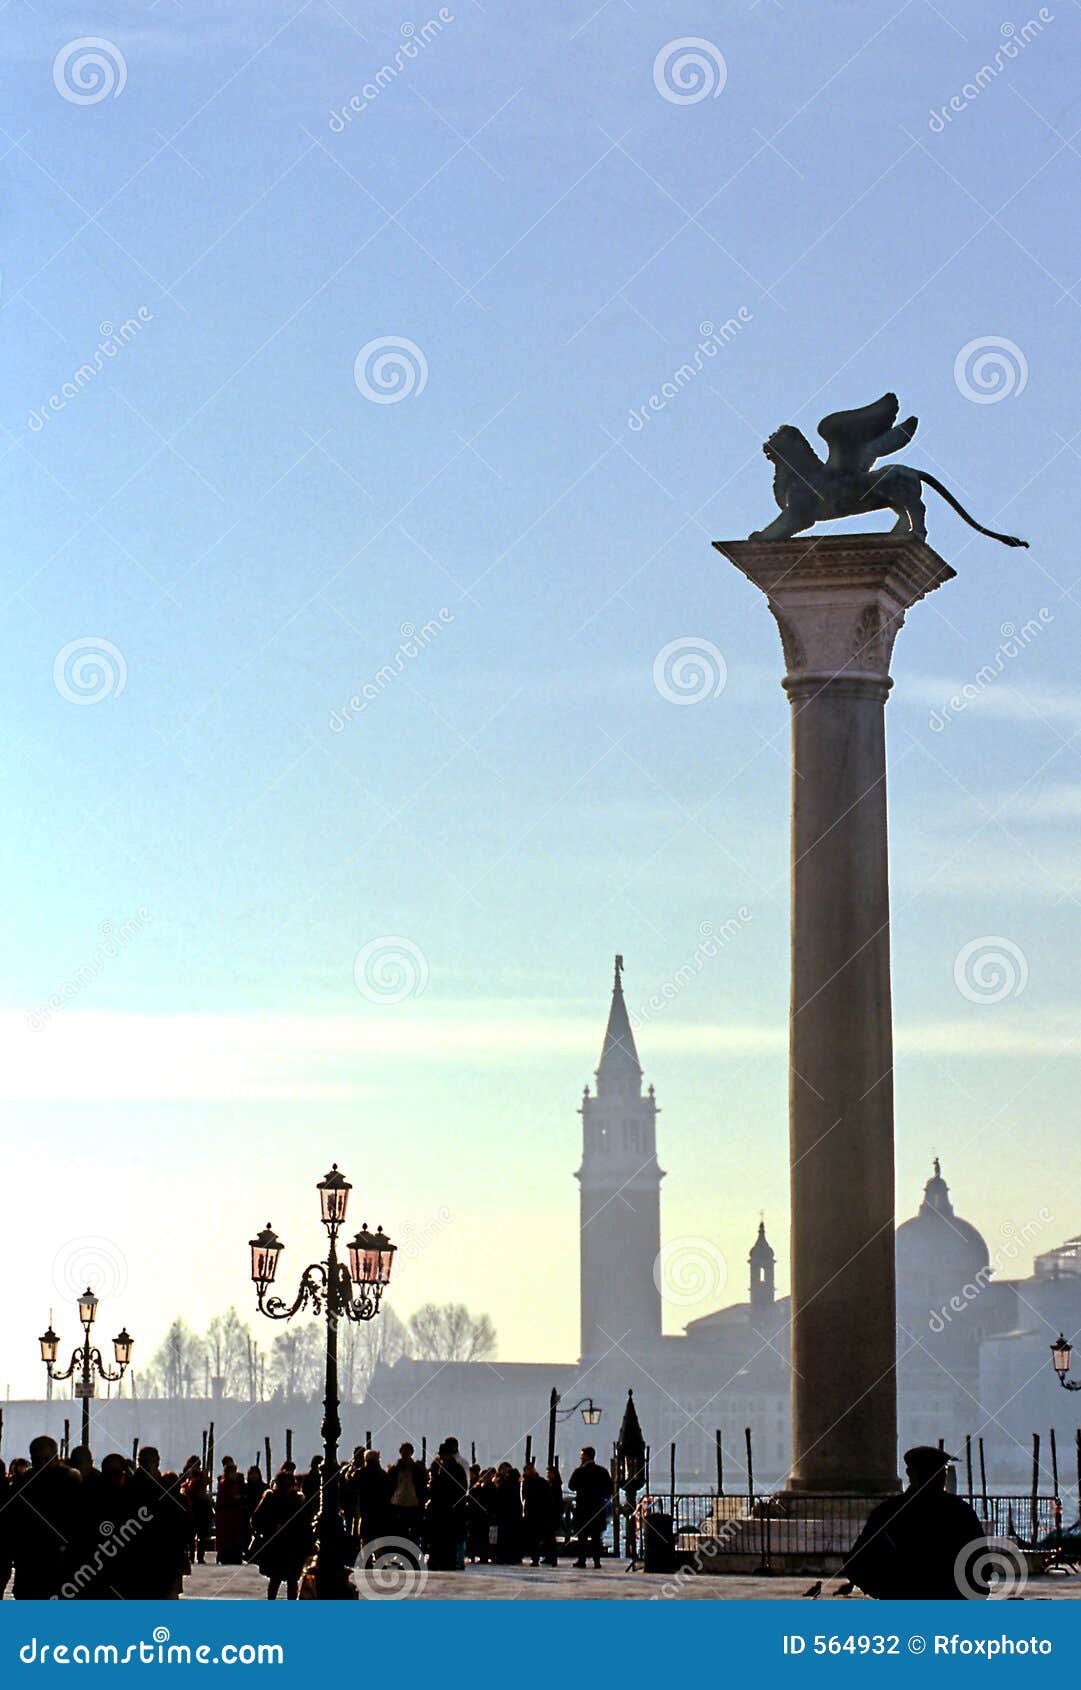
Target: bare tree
[
  {"x": 362, "y": 1346},
  {"x": 296, "y": 1360},
  {"x": 178, "y": 1365},
  {"x": 185, "y": 1364},
  {"x": 227, "y": 1352},
  {"x": 448, "y": 1332}
]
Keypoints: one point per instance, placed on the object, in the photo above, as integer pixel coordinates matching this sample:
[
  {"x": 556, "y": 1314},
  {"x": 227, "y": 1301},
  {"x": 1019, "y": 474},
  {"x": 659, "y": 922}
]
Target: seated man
[{"x": 922, "y": 1544}]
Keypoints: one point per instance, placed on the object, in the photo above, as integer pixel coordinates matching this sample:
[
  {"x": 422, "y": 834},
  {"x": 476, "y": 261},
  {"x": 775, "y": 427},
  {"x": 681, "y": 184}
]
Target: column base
[{"x": 805, "y": 1490}]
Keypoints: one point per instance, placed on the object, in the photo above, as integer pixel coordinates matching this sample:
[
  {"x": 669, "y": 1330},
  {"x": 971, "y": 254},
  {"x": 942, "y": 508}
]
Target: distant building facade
[
  {"x": 972, "y": 1342},
  {"x": 728, "y": 1371}
]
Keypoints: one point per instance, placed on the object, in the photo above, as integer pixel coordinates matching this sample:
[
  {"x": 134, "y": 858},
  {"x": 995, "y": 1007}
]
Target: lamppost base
[
  {"x": 333, "y": 1583},
  {"x": 332, "y": 1576}
]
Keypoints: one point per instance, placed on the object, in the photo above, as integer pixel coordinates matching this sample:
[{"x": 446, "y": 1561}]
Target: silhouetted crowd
[
  {"x": 130, "y": 1530},
  {"x": 124, "y": 1531},
  {"x": 456, "y": 1513}
]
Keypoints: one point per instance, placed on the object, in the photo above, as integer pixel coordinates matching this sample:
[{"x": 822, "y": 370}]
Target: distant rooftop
[{"x": 1063, "y": 1259}]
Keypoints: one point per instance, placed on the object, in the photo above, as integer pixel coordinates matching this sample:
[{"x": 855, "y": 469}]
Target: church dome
[{"x": 937, "y": 1252}]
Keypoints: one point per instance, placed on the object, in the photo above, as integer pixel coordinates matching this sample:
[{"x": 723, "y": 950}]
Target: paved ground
[
  {"x": 503, "y": 1584},
  {"x": 540, "y": 1584}
]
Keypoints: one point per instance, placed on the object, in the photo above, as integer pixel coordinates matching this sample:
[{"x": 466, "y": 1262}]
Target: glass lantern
[
  {"x": 88, "y": 1307},
  {"x": 1061, "y": 1352},
  {"x": 591, "y": 1414},
  {"x": 333, "y": 1191},
  {"x": 122, "y": 1345},
  {"x": 371, "y": 1257},
  {"x": 265, "y": 1248},
  {"x": 50, "y": 1344}
]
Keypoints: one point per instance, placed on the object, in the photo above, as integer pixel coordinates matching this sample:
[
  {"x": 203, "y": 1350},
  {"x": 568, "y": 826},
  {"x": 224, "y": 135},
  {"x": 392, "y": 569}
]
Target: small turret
[{"x": 762, "y": 1260}]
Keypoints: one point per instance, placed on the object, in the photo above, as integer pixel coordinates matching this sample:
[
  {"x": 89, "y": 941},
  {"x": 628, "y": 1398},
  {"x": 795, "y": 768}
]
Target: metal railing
[{"x": 774, "y": 1532}]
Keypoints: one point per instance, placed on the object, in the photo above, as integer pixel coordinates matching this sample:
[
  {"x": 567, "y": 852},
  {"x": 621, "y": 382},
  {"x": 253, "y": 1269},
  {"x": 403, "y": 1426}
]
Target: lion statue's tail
[{"x": 932, "y": 481}]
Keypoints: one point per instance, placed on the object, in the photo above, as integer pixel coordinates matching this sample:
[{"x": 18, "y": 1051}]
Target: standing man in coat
[
  {"x": 45, "y": 1522},
  {"x": 592, "y": 1487},
  {"x": 407, "y": 1487}
]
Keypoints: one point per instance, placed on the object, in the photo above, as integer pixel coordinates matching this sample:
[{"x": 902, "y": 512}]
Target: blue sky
[{"x": 220, "y": 502}]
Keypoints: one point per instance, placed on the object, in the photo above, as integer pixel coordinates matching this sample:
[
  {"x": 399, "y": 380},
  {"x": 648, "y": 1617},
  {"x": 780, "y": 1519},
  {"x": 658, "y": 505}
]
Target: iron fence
[{"x": 781, "y": 1531}]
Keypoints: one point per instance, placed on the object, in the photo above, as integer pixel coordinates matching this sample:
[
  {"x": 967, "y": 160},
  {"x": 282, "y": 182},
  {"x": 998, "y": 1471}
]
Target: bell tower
[
  {"x": 620, "y": 1197},
  {"x": 762, "y": 1262}
]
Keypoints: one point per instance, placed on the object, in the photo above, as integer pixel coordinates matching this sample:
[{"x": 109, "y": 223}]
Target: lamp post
[
  {"x": 86, "y": 1357},
  {"x": 328, "y": 1287},
  {"x": 591, "y": 1415},
  {"x": 1061, "y": 1352}
]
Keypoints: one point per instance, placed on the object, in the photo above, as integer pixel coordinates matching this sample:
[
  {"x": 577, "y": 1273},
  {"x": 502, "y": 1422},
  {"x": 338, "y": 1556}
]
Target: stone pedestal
[{"x": 839, "y": 602}]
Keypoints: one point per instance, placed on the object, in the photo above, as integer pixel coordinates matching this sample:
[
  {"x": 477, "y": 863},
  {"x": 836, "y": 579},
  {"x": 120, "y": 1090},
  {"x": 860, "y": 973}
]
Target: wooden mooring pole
[{"x": 1035, "y": 1483}]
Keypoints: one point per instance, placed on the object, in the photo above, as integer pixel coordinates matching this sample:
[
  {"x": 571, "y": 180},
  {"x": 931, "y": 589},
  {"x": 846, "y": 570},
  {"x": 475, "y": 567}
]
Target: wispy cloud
[
  {"x": 1007, "y": 700},
  {"x": 120, "y": 1056}
]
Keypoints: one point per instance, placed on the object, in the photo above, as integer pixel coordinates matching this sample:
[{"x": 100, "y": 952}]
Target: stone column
[{"x": 839, "y": 602}]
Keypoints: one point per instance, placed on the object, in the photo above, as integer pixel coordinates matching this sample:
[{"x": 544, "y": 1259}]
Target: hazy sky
[{"x": 542, "y": 214}]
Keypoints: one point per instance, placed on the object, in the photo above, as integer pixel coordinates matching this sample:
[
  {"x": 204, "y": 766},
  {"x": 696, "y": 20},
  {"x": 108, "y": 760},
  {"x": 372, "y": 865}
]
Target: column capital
[{"x": 839, "y": 601}]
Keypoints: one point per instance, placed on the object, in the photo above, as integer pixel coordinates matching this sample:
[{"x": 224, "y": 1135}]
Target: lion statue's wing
[{"x": 856, "y": 438}]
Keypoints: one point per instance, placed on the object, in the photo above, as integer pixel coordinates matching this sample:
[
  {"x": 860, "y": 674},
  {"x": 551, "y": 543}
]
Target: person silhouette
[{"x": 921, "y": 1544}]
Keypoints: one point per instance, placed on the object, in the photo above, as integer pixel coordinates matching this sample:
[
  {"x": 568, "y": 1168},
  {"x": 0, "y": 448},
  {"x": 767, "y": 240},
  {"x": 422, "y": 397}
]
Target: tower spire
[
  {"x": 620, "y": 1184},
  {"x": 619, "y": 1064}
]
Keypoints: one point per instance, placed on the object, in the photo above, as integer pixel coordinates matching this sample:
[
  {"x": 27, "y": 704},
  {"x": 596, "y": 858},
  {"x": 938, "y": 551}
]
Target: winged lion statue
[{"x": 809, "y": 490}]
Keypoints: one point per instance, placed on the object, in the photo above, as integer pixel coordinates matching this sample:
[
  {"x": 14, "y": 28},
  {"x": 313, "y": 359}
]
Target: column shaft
[
  {"x": 841, "y": 1093},
  {"x": 839, "y": 602}
]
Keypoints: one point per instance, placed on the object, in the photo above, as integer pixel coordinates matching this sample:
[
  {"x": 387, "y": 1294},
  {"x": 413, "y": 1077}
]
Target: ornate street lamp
[
  {"x": 86, "y": 1357},
  {"x": 338, "y": 1291},
  {"x": 1061, "y": 1352},
  {"x": 591, "y": 1415}
]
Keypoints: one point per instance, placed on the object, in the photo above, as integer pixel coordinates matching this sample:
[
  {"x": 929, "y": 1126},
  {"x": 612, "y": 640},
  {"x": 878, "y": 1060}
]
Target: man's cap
[{"x": 928, "y": 1457}]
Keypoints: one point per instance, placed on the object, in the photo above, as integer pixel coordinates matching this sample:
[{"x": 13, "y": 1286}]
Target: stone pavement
[{"x": 564, "y": 1583}]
